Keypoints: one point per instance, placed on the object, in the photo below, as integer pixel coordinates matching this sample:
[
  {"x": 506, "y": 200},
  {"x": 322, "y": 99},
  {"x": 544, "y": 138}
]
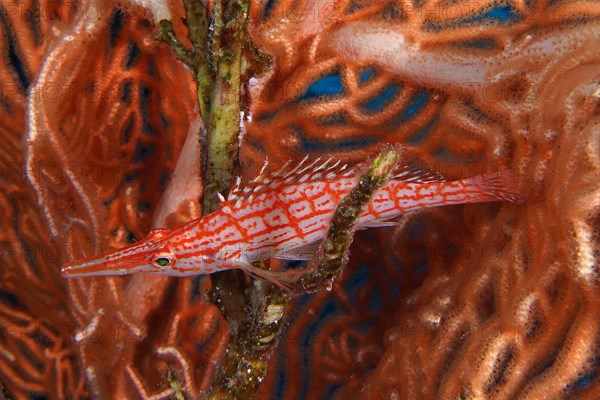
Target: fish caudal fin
[{"x": 502, "y": 185}]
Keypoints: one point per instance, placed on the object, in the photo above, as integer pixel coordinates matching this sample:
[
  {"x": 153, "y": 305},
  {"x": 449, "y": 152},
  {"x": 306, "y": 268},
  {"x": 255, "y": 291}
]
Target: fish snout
[
  {"x": 85, "y": 267},
  {"x": 98, "y": 266}
]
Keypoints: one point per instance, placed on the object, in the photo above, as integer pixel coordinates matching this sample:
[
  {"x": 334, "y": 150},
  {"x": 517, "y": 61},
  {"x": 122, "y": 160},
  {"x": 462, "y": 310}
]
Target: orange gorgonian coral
[{"x": 480, "y": 301}]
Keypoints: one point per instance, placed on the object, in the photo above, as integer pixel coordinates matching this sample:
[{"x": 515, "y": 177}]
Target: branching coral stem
[
  {"x": 221, "y": 158},
  {"x": 343, "y": 224},
  {"x": 245, "y": 363},
  {"x": 254, "y": 333},
  {"x": 197, "y": 59}
]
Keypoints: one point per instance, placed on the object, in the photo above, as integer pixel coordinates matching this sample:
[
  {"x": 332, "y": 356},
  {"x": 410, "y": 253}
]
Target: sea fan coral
[{"x": 480, "y": 301}]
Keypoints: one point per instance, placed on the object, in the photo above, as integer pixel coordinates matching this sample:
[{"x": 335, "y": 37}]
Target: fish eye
[{"x": 162, "y": 261}]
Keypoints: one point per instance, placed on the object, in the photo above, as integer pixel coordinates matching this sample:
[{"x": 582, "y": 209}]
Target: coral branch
[
  {"x": 196, "y": 59},
  {"x": 167, "y": 35},
  {"x": 245, "y": 363},
  {"x": 489, "y": 301},
  {"x": 343, "y": 224},
  {"x": 392, "y": 48},
  {"x": 223, "y": 126}
]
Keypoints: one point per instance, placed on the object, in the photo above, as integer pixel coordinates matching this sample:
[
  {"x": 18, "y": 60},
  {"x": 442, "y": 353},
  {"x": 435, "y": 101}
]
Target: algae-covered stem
[
  {"x": 216, "y": 62},
  {"x": 343, "y": 223},
  {"x": 198, "y": 58},
  {"x": 255, "y": 313},
  {"x": 244, "y": 365},
  {"x": 228, "y": 20}
]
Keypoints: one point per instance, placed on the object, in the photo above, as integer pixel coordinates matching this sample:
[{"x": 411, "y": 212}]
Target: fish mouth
[{"x": 96, "y": 266}]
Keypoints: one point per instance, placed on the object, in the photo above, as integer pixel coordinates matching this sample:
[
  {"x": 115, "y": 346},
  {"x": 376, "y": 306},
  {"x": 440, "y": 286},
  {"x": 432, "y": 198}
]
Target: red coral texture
[{"x": 473, "y": 302}]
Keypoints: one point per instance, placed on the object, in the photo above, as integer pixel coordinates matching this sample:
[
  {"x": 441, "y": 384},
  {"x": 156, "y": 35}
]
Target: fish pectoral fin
[
  {"x": 284, "y": 279},
  {"x": 311, "y": 252}
]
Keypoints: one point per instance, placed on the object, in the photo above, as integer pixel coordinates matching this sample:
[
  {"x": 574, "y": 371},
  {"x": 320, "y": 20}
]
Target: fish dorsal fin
[
  {"x": 222, "y": 200},
  {"x": 307, "y": 170},
  {"x": 412, "y": 171}
]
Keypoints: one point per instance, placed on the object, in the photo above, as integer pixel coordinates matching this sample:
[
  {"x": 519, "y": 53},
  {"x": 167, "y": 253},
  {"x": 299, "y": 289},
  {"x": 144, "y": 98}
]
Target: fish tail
[{"x": 501, "y": 185}]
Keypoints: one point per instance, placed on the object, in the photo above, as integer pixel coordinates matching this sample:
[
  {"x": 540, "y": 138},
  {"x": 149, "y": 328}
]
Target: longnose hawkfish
[{"x": 285, "y": 214}]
